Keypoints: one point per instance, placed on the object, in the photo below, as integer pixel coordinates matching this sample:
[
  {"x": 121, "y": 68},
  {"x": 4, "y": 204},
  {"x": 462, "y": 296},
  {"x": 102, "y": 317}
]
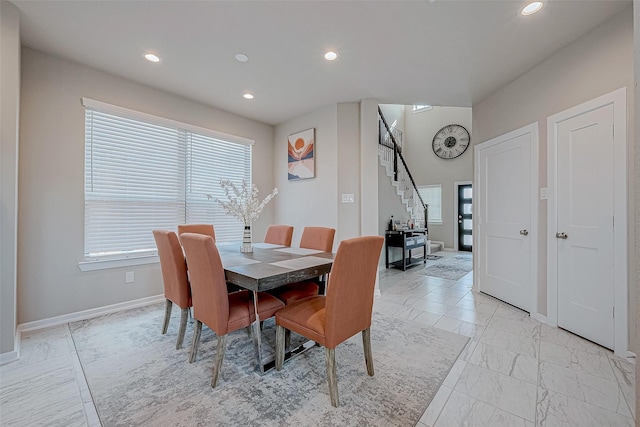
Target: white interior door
[
  {"x": 504, "y": 188},
  {"x": 585, "y": 239}
]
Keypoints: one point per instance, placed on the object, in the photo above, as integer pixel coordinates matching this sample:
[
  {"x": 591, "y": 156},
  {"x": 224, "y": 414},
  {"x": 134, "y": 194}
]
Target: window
[
  {"x": 144, "y": 172},
  {"x": 432, "y": 196},
  {"x": 423, "y": 107}
]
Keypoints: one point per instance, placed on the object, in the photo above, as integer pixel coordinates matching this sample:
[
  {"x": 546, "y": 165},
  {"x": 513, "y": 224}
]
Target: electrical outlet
[
  {"x": 129, "y": 277},
  {"x": 543, "y": 193}
]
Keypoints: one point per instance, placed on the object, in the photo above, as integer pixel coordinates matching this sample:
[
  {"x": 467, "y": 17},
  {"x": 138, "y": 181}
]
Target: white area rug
[{"x": 137, "y": 377}]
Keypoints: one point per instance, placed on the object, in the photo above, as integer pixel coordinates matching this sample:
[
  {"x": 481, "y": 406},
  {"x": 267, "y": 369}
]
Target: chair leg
[
  {"x": 287, "y": 339},
  {"x": 167, "y": 315},
  {"x": 197, "y": 330},
  {"x": 280, "y": 346},
  {"x": 368, "y": 357},
  {"x": 219, "y": 358},
  {"x": 330, "y": 361},
  {"x": 184, "y": 314}
]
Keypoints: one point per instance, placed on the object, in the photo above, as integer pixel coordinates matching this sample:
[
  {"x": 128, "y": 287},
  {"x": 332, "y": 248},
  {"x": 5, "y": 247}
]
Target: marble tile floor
[{"x": 514, "y": 371}]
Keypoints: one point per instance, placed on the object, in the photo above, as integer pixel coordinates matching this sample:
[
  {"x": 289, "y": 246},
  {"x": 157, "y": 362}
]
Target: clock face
[{"x": 451, "y": 141}]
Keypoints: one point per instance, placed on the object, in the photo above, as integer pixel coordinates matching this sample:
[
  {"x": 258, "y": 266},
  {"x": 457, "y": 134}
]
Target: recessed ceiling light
[
  {"x": 248, "y": 96},
  {"x": 330, "y": 56},
  {"x": 532, "y": 8},
  {"x": 241, "y": 57},
  {"x": 151, "y": 57}
]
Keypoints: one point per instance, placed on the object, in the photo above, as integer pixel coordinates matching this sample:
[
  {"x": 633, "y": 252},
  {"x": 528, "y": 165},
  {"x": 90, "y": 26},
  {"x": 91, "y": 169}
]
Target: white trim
[
  {"x": 456, "y": 190},
  {"x": 8, "y": 357},
  {"x": 539, "y": 317},
  {"x": 619, "y": 100},
  {"x": 114, "y": 109},
  {"x": 12, "y": 356},
  {"x": 532, "y": 130},
  {"x": 88, "y": 314},
  {"x": 116, "y": 263}
]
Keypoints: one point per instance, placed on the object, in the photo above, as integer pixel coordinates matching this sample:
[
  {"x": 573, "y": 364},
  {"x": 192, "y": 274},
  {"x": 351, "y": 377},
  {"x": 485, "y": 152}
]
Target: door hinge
[
  {"x": 613, "y": 131},
  {"x": 614, "y": 312}
]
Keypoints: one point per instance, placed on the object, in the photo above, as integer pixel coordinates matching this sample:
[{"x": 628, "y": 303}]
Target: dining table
[{"x": 268, "y": 267}]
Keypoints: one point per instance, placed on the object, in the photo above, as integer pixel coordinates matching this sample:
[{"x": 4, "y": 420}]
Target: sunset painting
[{"x": 301, "y": 155}]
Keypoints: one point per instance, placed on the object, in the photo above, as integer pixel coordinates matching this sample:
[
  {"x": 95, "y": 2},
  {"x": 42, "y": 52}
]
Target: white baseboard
[
  {"x": 8, "y": 357},
  {"x": 12, "y": 356},
  {"x": 88, "y": 314},
  {"x": 539, "y": 317}
]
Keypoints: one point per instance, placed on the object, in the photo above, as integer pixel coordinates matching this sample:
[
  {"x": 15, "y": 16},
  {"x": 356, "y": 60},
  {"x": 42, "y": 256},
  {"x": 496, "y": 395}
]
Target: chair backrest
[
  {"x": 320, "y": 238},
  {"x": 206, "y": 229},
  {"x": 208, "y": 285},
  {"x": 350, "y": 288},
  {"x": 279, "y": 235},
  {"x": 174, "y": 268}
]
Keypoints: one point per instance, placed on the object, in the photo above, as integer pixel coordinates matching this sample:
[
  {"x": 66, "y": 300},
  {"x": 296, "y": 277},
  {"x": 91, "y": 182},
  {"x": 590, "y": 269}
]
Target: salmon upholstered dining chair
[
  {"x": 345, "y": 310},
  {"x": 319, "y": 238},
  {"x": 221, "y": 311},
  {"x": 176, "y": 281},
  {"x": 279, "y": 235},
  {"x": 206, "y": 229}
]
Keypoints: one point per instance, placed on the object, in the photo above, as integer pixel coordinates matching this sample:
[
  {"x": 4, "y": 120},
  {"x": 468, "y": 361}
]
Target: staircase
[{"x": 390, "y": 155}]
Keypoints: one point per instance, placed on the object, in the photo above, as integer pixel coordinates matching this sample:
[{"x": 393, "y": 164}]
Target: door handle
[
  {"x": 561, "y": 235},
  {"x": 524, "y": 232}
]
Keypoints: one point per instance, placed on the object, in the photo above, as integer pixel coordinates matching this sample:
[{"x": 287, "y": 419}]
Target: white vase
[{"x": 246, "y": 247}]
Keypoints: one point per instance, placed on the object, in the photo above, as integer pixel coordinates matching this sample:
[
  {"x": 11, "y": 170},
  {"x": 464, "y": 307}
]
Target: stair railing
[{"x": 389, "y": 147}]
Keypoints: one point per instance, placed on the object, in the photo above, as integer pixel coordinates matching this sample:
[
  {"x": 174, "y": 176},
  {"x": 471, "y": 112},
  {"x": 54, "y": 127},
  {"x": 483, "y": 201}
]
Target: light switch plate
[
  {"x": 348, "y": 198},
  {"x": 543, "y": 193}
]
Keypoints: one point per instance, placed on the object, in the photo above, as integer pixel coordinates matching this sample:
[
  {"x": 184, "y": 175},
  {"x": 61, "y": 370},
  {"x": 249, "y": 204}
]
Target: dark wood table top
[{"x": 272, "y": 267}]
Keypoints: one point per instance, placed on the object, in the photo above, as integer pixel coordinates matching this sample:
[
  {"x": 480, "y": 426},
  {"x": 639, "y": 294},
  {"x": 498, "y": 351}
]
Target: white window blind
[
  {"x": 432, "y": 196},
  {"x": 142, "y": 174},
  {"x": 208, "y": 161}
]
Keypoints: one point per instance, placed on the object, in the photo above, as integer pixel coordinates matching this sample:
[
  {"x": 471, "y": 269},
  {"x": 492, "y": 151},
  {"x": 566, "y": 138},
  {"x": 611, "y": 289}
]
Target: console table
[{"x": 407, "y": 240}]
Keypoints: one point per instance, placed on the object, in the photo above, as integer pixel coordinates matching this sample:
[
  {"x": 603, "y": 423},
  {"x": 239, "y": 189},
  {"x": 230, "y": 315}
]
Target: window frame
[{"x": 187, "y": 133}]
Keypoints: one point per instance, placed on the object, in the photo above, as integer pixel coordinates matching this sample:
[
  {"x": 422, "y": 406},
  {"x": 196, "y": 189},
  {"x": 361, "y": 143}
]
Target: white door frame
[
  {"x": 531, "y": 129},
  {"x": 455, "y": 213},
  {"x": 619, "y": 100}
]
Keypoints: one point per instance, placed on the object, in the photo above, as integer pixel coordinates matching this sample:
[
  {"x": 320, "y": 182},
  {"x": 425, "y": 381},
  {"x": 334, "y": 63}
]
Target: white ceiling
[{"x": 443, "y": 52}]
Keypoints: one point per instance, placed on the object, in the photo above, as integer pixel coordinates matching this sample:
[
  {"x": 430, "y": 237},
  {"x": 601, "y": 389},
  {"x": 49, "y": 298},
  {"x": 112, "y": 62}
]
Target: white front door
[
  {"x": 506, "y": 193},
  {"x": 584, "y": 235}
]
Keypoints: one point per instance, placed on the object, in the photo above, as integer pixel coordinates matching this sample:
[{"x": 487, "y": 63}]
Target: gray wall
[
  {"x": 10, "y": 107},
  {"x": 634, "y": 280},
  {"x": 309, "y": 201},
  {"x": 51, "y": 182},
  {"x": 343, "y": 148},
  {"x": 596, "y": 64},
  {"x": 427, "y": 168}
]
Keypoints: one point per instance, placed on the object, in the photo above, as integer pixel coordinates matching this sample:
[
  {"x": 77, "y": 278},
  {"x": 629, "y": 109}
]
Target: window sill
[
  {"x": 435, "y": 222},
  {"x": 116, "y": 263}
]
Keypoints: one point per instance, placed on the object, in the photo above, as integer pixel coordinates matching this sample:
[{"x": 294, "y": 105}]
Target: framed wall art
[{"x": 301, "y": 163}]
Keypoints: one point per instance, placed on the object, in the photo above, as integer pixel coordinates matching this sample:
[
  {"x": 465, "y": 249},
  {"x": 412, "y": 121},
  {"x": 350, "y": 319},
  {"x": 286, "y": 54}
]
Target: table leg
[
  {"x": 257, "y": 335},
  {"x": 266, "y": 365}
]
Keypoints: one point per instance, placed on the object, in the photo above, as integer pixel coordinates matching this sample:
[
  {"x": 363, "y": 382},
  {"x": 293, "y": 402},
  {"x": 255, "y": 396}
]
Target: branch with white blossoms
[{"x": 243, "y": 203}]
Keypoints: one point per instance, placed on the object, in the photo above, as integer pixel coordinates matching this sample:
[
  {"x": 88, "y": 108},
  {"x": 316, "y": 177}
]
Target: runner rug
[
  {"x": 138, "y": 378},
  {"x": 450, "y": 267}
]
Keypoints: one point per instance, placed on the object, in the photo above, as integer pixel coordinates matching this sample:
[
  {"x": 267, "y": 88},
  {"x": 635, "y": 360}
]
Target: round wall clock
[{"x": 451, "y": 141}]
